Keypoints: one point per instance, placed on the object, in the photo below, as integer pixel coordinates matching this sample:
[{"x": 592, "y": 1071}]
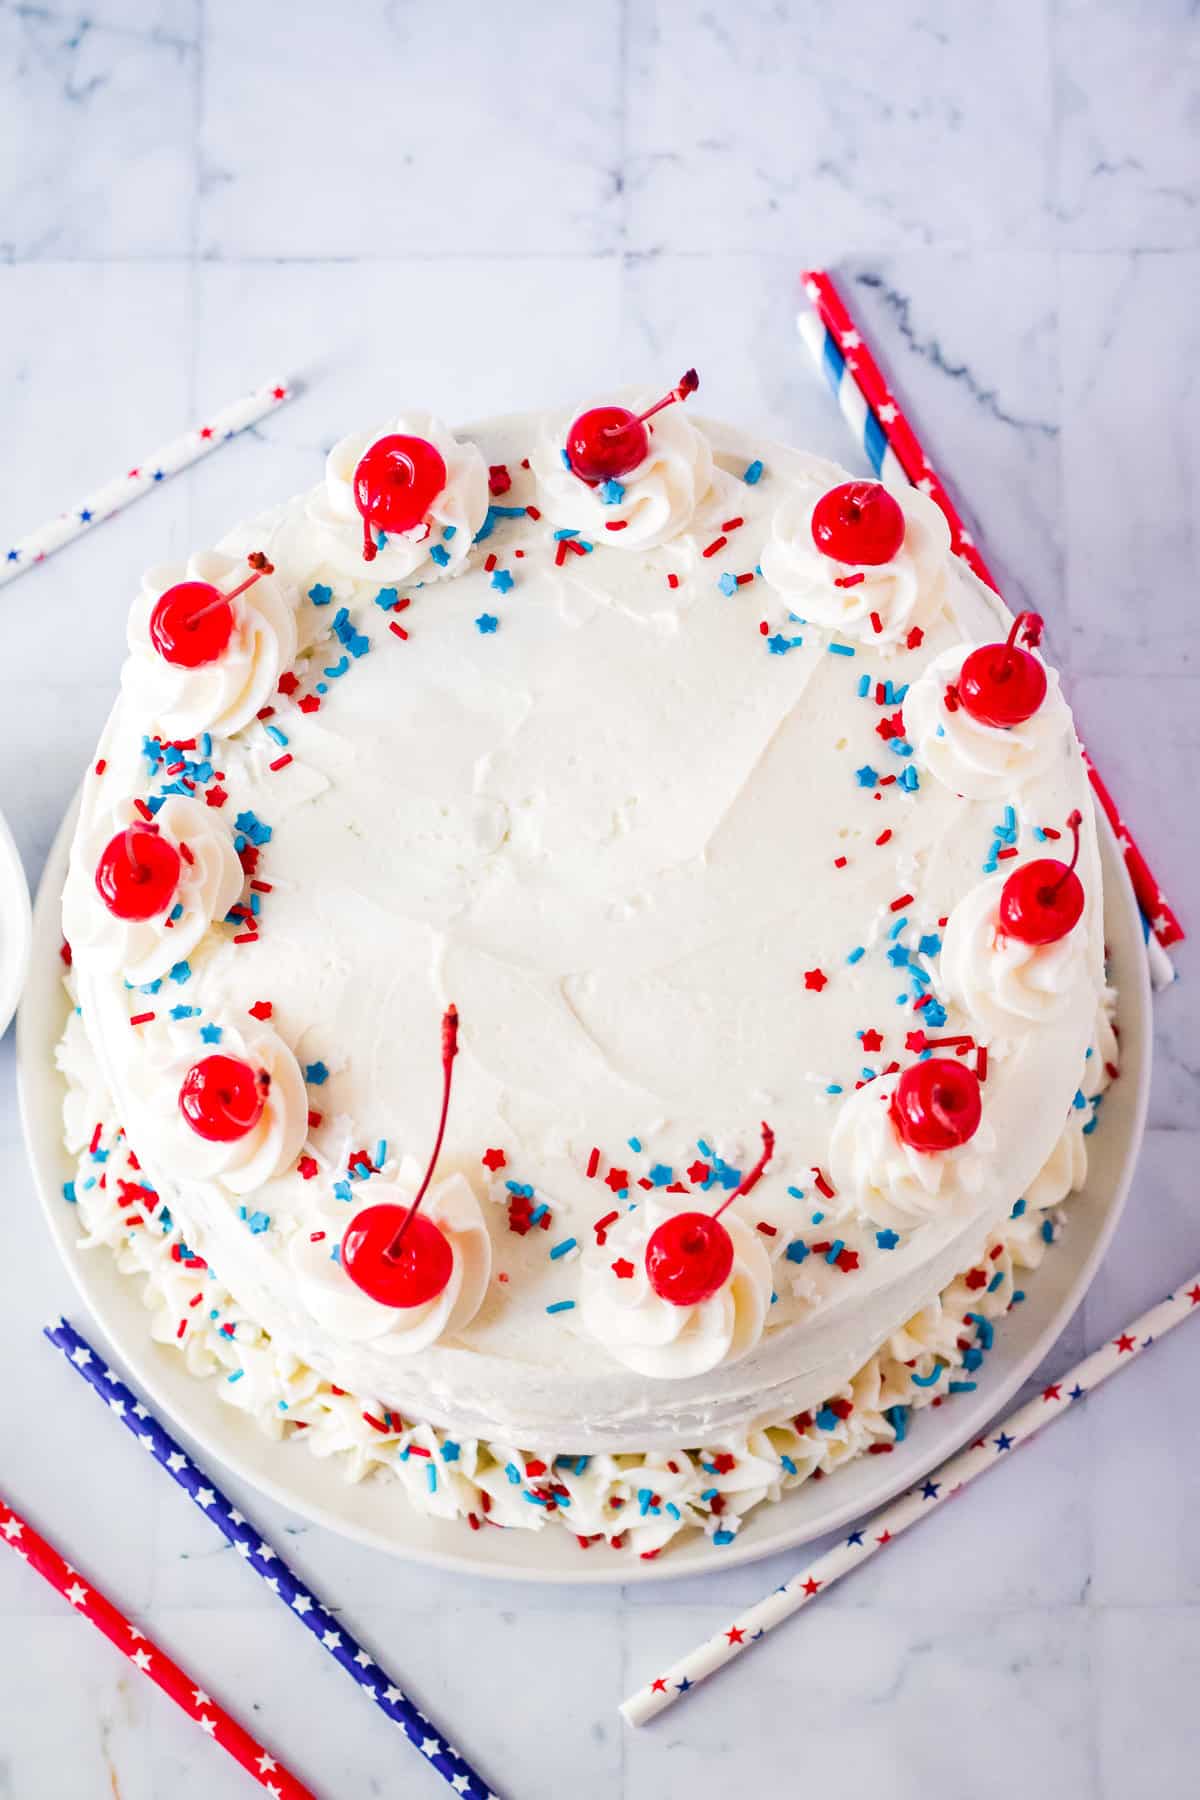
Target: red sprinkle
[
  {"x": 281, "y": 762},
  {"x": 884, "y": 836},
  {"x": 619, "y": 525},
  {"x": 397, "y": 630},
  {"x": 839, "y": 862},
  {"x": 899, "y": 901},
  {"x": 732, "y": 524},
  {"x": 493, "y": 1159},
  {"x": 672, "y": 581},
  {"x": 916, "y": 636},
  {"x": 823, "y": 1185},
  {"x": 141, "y": 1018},
  {"x": 815, "y": 979},
  {"x": 533, "y": 512},
  {"x": 848, "y": 581},
  {"x": 490, "y": 562},
  {"x": 101, "y": 765},
  {"x": 307, "y": 1167},
  {"x": 876, "y": 623},
  {"x": 981, "y": 1062},
  {"x": 593, "y": 1163},
  {"x": 499, "y": 479},
  {"x": 623, "y": 1269},
  {"x": 260, "y": 1010},
  {"x": 261, "y": 887},
  {"x": 560, "y": 555},
  {"x": 718, "y": 543},
  {"x": 217, "y": 796}
]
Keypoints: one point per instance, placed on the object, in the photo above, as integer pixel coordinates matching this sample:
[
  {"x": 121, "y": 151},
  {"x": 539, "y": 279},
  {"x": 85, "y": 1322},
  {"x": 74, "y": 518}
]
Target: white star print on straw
[
  {"x": 115, "y": 495},
  {"x": 146, "y": 1656},
  {"x": 1055, "y": 1399}
]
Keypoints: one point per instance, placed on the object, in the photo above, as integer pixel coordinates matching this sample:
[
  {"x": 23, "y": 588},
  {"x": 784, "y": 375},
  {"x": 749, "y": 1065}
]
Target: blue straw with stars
[{"x": 267, "y": 1563}]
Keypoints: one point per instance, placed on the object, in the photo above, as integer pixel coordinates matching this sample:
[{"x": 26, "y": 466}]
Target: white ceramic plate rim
[
  {"x": 377, "y": 1513},
  {"x": 15, "y": 925}
]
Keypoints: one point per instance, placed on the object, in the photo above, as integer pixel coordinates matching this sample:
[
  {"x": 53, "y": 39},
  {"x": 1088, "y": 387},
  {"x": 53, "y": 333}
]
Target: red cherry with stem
[
  {"x": 689, "y": 1256},
  {"x": 936, "y": 1104},
  {"x": 193, "y": 621},
  {"x": 1042, "y": 901},
  {"x": 138, "y": 873},
  {"x": 395, "y": 484},
  {"x": 416, "y": 1274},
  {"x": 858, "y": 522},
  {"x": 1002, "y": 684},
  {"x": 606, "y": 442},
  {"x": 393, "y": 1253},
  {"x": 222, "y": 1098}
]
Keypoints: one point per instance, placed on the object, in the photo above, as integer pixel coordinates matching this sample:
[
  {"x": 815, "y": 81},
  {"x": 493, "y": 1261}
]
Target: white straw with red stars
[
  {"x": 751, "y": 1626},
  {"x": 895, "y": 452},
  {"x": 154, "y": 468},
  {"x": 149, "y": 1657}
]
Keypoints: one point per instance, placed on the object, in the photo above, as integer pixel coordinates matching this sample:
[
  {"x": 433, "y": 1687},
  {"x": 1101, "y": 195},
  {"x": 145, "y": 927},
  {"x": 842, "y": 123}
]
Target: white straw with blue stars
[
  {"x": 268, "y": 1565},
  {"x": 751, "y": 1626},
  {"x": 153, "y": 469}
]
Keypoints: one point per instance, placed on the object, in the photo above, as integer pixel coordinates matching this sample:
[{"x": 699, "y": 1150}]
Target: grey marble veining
[{"x": 486, "y": 207}]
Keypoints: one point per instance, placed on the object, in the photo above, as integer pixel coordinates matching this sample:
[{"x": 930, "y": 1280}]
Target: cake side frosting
[{"x": 666, "y": 841}]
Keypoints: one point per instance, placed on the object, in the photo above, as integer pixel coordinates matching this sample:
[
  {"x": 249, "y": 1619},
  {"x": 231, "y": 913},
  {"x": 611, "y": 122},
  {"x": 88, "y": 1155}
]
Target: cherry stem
[
  {"x": 943, "y": 1113},
  {"x": 1073, "y": 824},
  {"x": 689, "y": 381},
  {"x": 1031, "y": 624},
  {"x": 449, "y": 1052},
  {"x": 757, "y": 1172},
  {"x": 261, "y": 567}
]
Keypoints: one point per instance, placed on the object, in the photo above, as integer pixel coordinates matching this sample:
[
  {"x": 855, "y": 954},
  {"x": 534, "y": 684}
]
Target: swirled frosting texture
[
  {"x": 224, "y": 695},
  {"x": 905, "y": 592},
  {"x": 453, "y": 519},
  {"x": 884, "y": 1179},
  {"x": 210, "y": 881},
  {"x": 655, "y": 1337},
  {"x": 1004, "y": 986},
  {"x": 341, "y": 1307},
  {"x": 675, "y": 485},
  {"x": 245, "y": 1163},
  {"x": 983, "y": 762}
]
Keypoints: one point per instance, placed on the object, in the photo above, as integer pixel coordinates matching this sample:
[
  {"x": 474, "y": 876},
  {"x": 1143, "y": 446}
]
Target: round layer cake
[{"x": 706, "y": 783}]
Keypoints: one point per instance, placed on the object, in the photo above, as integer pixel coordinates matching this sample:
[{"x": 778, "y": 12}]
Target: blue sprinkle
[
  {"x": 835, "y": 1250},
  {"x": 834, "y": 1087},
  {"x": 897, "y": 1418},
  {"x": 513, "y": 1474},
  {"x": 753, "y": 473},
  {"x": 962, "y": 1387},
  {"x": 450, "y": 1451},
  {"x": 1018, "y": 1296},
  {"x": 522, "y": 1188},
  {"x": 935, "y": 1013},
  {"x": 1047, "y": 1231},
  {"x": 181, "y": 971},
  {"x": 439, "y": 555},
  {"x": 68, "y": 1192},
  {"x": 561, "y": 1306},
  {"x": 788, "y": 1464},
  {"x": 727, "y": 583},
  {"x": 818, "y": 1218},
  {"x": 557, "y": 1250},
  {"x": 857, "y": 954},
  {"x": 930, "y": 944},
  {"x": 661, "y": 1175},
  {"x": 236, "y": 1376},
  {"x": 796, "y": 1251},
  {"x": 866, "y": 777},
  {"x": 909, "y": 780},
  {"x": 721, "y": 1537},
  {"x": 320, "y": 595},
  {"x": 342, "y": 1191},
  {"x": 926, "y": 1381},
  {"x": 827, "y": 1419},
  {"x": 796, "y": 1193},
  {"x": 841, "y": 649},
  {"x": 185, "y": 1012},
  {"x": 210, "y": 1034},
  {"x": 502, "y": 581},
  {"x": 387, "y": 598},
  {"x": 431, "y": 1477},
  {"x": 259, "y": 1222},
  {"x": 635, "y": 1144},
  {"x": 316, "y": 1074},
  {"x": 611, "y": 493},
  {"x": 251, "y": 826},
  {"x": 568, "y": 531},
  {"x": 887, "y": 1239},
  {"x": 485, "y": 623},
  {"x": 277, "y": 736},
  {"x": 864, "y": 686},
  {"x": 381, "y": 1151},
  {"x": 1017, "y": 1210},
  {"x": 566, "y": 461}
]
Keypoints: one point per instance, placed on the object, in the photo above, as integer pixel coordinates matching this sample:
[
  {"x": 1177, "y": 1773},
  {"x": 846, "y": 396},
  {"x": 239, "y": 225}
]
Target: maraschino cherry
[
  {"x": 222, "y": 1098},
  {"x": 858, "y": 522},
  {"x": 395, "y": 484},
  {"x": 690, "y": 1255},
  {"x": 394, "y": 1253},
  {"x": 936, "y": 1104},
  {"x": 1002, "y": 684},
  {"x": 1042, "y": 901},
  {"x": 606, "y": 442},
  {"x": 138, "y": 873},
  {"x": 193, "y": 621}
]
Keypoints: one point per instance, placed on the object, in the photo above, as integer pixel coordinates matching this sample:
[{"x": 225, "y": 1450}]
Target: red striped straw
[
  {"x": 149, "y": 1658},
  {"x": 834, "y": 315}
]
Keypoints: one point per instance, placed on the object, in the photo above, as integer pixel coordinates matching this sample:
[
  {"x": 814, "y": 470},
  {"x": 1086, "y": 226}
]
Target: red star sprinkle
[
  {"x": 499, "y": 479},
  {"x": 310, "y": 703},
  {"x": 815, "y": 979},
  {"x": 307, "y": 1167},
  {"x": 891, "y": 728},
  {"x": 915, "y": 637},
  {"x": 617, "y": 1179},
  {"x": 1053, "y": 1392},
  {"x": 847, "y": 1260},
  {"x": 724, "y": 1462},
  {"x": 699, "y": 1171},
  {"x": 1124, "y": 1342},
  {"x": 1193, "y": 1294},
  {"x": 736, "y": 1634},
  {"x": 871, "y": 1040},
  {"x": 658, "y": 1686},
  {"x": 287, "y": 683},
  {"x": 623, "y": 1269},
  {"x": 811, "y": 1586},
  {"x": 493, "y": 1159},
  {"x": 206, "y": 431},
  {"x": 279, "y": 393},
  {"x": 977, "y": 1278},
  {"x": 216, "y": 796},
  {"x": 884, "y": 1537},
  {"x": 260, "y": 1010}
]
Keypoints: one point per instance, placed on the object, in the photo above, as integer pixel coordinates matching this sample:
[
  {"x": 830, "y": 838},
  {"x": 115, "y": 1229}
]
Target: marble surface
[{"x": 485, "y": 207}]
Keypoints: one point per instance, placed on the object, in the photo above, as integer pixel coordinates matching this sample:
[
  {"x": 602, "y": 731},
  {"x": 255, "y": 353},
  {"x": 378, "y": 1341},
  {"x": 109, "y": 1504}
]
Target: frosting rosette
[
  {"x": 675, "y": 483},
  {"x": 342, "y": 1308},
  {"x": 1003, "y": 985},
  {"x": 448, "y": 528},
  {"x": 210, "y": 881},
  {"x": 849, "y": 598},
  {"x": 224, "y": 694},
  {"x": 883, "y": 1179},
  {"x": 982, "y": 762},
  {"x": 240, "y": 1164},
  {"x": 645, "y": 1332}
]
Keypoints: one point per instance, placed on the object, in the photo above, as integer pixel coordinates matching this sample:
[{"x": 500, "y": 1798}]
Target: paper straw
[
  {"x": 887, "y": 1525},
  {"x": 331, "y": 1633},
  {"x": 153, "y": 468},
  {"x": 147, "y": 1656},
  {"x": 889, "y": 441}
]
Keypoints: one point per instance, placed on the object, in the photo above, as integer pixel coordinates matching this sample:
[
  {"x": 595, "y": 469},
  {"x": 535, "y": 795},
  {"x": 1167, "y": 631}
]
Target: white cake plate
[
  {"x": 14, "y": 926},
  {"x": 376, "y": 1512}
]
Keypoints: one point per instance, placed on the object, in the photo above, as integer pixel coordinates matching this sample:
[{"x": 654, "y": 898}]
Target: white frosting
[
  {"x": 609, "y": 831},
  {"x": 908, "y": 591},
  {"x": 984, "y": 762},
  {"x": 652, "y": 1335},
  {"x": 224, "y": 695},
  {"x": 1003, "y": 985},
  {"x": 453, "y": 519},
  {"x": 671, "y": 489},
  {"x": 882, "y": 1178},
  {"x": 341, "y": 1307},
  {"x": 245, "y": 1163},
  {"x": 143, "y": 950}
]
